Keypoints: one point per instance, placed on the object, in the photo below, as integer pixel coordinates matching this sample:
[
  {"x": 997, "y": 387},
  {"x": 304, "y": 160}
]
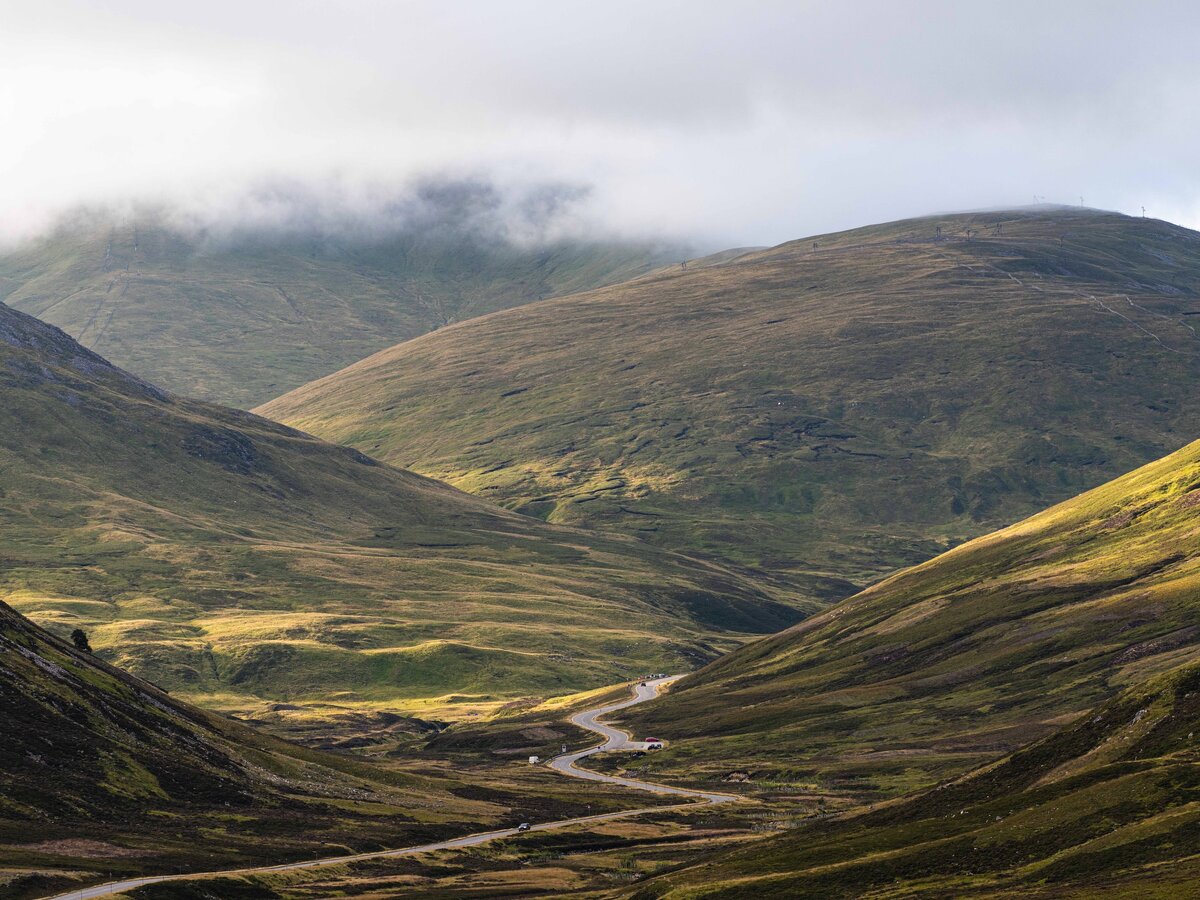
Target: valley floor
[
  {"x": 317, "y": 871},
  {"x": 1035, "y": 818}
]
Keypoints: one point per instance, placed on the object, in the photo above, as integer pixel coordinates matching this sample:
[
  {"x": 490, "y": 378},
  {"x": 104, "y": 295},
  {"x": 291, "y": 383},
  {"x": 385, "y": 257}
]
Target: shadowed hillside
[
  {"x": 236, "y": 560},
  {"x": 952, "y": 663},
  {"x": 241, "y": 317},
  {"x": 825, "y": 411},
  {"x": 100, "y": 772}
]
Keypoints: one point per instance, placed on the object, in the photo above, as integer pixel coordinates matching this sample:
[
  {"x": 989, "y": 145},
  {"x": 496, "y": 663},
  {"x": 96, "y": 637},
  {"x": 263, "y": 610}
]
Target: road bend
[{"x": 614, "y": 739}]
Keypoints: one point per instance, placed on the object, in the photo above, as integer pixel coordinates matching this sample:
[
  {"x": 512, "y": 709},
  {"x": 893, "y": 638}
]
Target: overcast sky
[{"x": 734, "y": 122}]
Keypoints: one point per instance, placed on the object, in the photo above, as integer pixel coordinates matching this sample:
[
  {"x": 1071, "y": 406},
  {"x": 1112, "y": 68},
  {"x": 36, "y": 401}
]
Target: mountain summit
[{"x": 823, "y": 412}]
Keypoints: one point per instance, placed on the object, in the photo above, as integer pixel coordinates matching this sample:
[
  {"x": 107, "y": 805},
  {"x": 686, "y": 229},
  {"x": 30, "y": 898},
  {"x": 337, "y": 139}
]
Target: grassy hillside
[
  {"x": 103, "y": 775},
  {"x": 1019, "y": 717},
  {"x": 243, "y": 317},
  {"x": 100, "y": 772},
  {"x": 237, "y": 561},
  {"x": 1107, "y": 807},
  {"x": 825, "y": 411},
  {"x": 952, "y": 663}
]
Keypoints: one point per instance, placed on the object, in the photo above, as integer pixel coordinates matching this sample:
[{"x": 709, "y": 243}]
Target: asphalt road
[{"x": 615, "y": 739}]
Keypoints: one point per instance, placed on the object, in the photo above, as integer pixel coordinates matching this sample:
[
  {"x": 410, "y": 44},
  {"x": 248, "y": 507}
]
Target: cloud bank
[{"x": 731, "y": 123}]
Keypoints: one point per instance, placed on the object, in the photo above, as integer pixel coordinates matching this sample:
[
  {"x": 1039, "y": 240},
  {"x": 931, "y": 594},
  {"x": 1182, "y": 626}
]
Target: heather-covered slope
[
  {"x": 240, "y": 318},
  {"x": 952, "y": 663},
  {"x": 238, "y": 561},
  {"x": 825, "y": 411},
  {"x": 1106, "y": 807}
]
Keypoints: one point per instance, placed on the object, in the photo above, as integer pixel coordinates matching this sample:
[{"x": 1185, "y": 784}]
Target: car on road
[{"x": 524, "y": 826}]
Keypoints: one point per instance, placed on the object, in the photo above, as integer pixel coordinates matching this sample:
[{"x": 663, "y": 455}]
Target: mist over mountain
[
  {"x": 478, "y": 206},
  {"x": 256, "y": 293},
  {"x": 746, "y": 125}
]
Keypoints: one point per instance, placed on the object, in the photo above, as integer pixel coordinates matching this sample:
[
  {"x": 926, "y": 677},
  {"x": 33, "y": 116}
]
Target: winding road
[{"x": 614, "y": 739}]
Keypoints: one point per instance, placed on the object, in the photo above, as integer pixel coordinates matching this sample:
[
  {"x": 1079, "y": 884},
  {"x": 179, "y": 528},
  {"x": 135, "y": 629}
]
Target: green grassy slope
[
  {"x": 101, "y": 772},
  {"x": 823, "y": 415},
  {"x": 243, "y": 318},
  {"x": 1106, "y": 807},
  {"x": 230, "y": 558},
  {"x": 103, "y": 775},
  {"x": 949, "y": 664}
]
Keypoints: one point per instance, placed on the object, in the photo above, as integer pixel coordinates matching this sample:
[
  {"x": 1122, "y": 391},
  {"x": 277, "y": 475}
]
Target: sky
[{"x": 733, "y": 123}]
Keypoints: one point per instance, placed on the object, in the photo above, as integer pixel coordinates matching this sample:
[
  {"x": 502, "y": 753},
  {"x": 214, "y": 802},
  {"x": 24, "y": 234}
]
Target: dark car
[{"x": 524, "y": 826}]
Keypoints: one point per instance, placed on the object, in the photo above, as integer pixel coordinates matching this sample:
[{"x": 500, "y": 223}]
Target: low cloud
[
  {"x": 733, "y": 123},
  {"x": 475, "y": 206},
  {"x": 462, "y": 209}
]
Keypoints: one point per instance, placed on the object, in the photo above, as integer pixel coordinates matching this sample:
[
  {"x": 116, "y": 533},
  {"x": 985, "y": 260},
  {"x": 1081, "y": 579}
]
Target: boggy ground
[
  {"x": 595, "y": 857},
  {"x": 599, "y": 861}
]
